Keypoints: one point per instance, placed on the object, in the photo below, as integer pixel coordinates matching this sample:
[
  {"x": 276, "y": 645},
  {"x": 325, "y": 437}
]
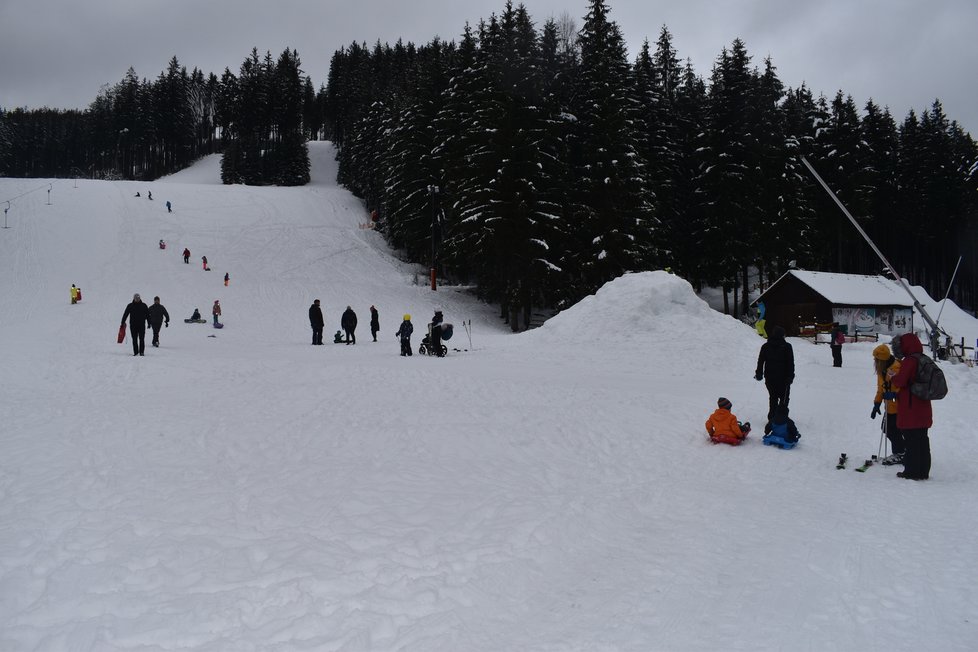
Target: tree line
[
  {"x": 539, "y": 163},
  {"x": 138, "y": 129}
]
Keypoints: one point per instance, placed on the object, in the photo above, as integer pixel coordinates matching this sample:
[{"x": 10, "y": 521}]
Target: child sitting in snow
[
  {"x": 723, "y": 427},
  {"x": 781, "y": 427}
]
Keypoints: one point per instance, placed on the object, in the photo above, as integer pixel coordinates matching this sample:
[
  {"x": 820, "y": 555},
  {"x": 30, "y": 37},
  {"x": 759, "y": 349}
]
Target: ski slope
[{"x": 554, "y": 490}]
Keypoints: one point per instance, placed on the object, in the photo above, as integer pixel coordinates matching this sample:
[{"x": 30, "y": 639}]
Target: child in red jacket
[{"x": 723, "y": 427}]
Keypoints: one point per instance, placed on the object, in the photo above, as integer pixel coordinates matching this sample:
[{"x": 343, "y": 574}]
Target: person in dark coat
[
  {"x": 157, "y": 313},
  {"x": 914, "y": 414},
  {"x": 349, "y": 323},
  {"x": 374, "y": 322},
  {"x": 316, "y": 322},
  {"x": 776, "y": 367},
  {"x": 838, "y": 338},
  {"x": 186, "y": 255},
  {"x": 434, "y": 329},
  {"x": 137, "y": 313}
]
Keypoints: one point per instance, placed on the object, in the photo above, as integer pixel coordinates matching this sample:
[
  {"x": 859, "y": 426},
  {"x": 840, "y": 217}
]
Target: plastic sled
[
  {"x": 727, "y": 439},
  {"x": 218, "y": 325},
  {"x": 780, "y": 442},
  {"x": 122, "y": 334}
]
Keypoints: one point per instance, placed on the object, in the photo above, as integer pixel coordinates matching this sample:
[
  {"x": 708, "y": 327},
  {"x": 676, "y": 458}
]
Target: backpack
[{"x": 929, "y": 383}]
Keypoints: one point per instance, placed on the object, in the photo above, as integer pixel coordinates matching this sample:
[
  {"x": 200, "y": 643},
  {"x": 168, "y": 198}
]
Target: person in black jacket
[
  {"x": 776, "y": 367},
  {"x": 138, "y": 314},
  {"x": 316, "y": 322},
  {"x": 434, "y": 329},
  {"x": 374, "y": 322},
  {"x": 349, "y": 323},
  {"x": 157, "y": 313}
]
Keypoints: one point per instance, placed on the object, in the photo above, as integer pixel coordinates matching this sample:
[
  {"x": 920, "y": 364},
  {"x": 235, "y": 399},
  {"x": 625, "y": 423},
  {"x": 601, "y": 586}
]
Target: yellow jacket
[
  {"x": 883, "y": 386},
  {"x": 722, "y": 422}
]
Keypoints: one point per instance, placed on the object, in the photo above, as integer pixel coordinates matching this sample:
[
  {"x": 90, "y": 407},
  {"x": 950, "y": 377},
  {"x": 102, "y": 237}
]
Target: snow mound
[{"x": 640, "y": 305}]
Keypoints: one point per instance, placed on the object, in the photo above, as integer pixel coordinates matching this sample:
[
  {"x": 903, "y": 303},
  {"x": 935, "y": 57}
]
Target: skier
[
  {"x": 186, "y": 256},
  {"x": 157, "y": 313},
  {"x": 883, "y": 362},
  {"x": 723, "y": 427},
  {"x": 349, "y": 323},
  {"x": 216, "y": 311},
  {"x": 374, "y": 322},
  {"x": 404, "y": 333},
  {"x": 138, "y": 314},
  {"x": 838, "y": 339},
  {"x": 316, "y": 322},
  {"x": 914, "y": 414},
  {"x": 776, "y": 367}
]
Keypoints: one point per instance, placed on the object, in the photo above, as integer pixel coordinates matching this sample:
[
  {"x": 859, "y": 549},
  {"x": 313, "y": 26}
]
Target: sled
[
  {"x": 122, "y": 334},
  {"x": 780, "y": 442},
  {"x": 218, "y": 325},
  {"x": 195, "y": 321},
  {"x": 727, "y": 439}
]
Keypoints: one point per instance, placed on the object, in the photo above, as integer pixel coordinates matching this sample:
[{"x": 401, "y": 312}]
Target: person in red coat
[{"x": 914, "y": 414}]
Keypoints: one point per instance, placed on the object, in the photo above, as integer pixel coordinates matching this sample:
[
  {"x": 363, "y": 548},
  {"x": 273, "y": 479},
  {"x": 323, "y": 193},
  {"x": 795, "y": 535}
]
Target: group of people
[
  {"x": 149, "y": 195},
  {"x": 907, "y": 416},
  {"x": 139, "y": 315},
  {"x": 348, "y": 324}
]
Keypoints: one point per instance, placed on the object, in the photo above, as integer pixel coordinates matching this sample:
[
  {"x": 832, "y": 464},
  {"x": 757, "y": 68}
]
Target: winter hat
[
  {"x": 407, "y": 317},
  {"x": 135, "y": 297},
  {"x": 724, "y": 404},
  {"x": 882, "y": 352}
]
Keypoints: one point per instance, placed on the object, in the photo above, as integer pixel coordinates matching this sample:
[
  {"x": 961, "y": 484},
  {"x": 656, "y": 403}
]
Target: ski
[
  {"x": 868, "y": 463},
  {"x": 842, "y": 461}
]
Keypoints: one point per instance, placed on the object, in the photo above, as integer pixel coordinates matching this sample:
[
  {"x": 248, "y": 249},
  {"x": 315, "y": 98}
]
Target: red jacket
[{"x": 913, "y": 412}]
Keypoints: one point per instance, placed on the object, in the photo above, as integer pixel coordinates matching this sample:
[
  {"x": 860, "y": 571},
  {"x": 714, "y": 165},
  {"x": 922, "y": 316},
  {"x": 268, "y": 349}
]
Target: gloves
[
  {"x": 167, "y": 324},
  {"x": 875, "y": 412},
  {"x": 758, "y": 376},
  {"x": 889, "y": 396}
]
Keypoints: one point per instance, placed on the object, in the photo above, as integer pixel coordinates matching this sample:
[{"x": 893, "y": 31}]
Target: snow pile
[{"x": 641, "y": 306}]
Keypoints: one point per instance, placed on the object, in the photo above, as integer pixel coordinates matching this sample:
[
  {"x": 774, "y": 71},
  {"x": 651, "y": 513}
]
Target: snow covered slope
[{"x": 546, "y": 491}]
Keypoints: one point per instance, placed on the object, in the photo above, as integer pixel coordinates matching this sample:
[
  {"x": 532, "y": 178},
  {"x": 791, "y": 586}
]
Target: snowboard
[
  {"x": 122, "y": 334},
  {"x": 195, "y": 321}
]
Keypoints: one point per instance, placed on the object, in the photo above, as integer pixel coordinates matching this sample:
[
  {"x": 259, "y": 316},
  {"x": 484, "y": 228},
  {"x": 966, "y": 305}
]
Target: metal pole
[
  {"x": 949, "y": 286},
  {"x": 923, "y": 313},
  {"x": 432, "y": 193},
  {"x": 5, "y": 216}
]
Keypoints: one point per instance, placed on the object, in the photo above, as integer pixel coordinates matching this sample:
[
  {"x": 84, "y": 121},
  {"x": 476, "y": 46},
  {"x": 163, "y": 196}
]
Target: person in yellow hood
[
  {"x": 883, "y": 363},
  {"x": 723, "y": 427}
]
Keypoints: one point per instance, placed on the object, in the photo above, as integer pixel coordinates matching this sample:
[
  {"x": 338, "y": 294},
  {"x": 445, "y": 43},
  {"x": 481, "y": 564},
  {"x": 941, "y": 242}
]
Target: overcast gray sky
[{"x": 901, "y": 53}]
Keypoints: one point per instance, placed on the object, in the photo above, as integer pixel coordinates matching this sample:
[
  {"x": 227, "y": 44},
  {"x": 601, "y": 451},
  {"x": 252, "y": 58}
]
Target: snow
[{"x": 551, "y": 490}]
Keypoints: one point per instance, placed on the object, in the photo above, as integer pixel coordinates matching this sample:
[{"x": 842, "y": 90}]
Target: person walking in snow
[
  {"x": 74, "y": 294},
  {"x": 349, "y": 323},
  {"x": 374, "y": 322},
  {"x": 723, "y": 427},
  {"x": 838, "y": 339},
  {"x": 186, "y": 256},
  {"x": 216, "y": 311},
  {"x": 149, "y": 194},
  {"x": 883, "y": 362},
  {"x": 316, "y": 322},
  {"x": 914, "y": 414},
  {"x": 227, "y": 279},
  {"x": 404, "y": 332},
  {"x": 204, "y": 261},
  {"x": 138, "y": 315},
  {"x": 169, "y": 208},
  {"x": 157, "y": 315},
  {"x": 776, "y": 367}
]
